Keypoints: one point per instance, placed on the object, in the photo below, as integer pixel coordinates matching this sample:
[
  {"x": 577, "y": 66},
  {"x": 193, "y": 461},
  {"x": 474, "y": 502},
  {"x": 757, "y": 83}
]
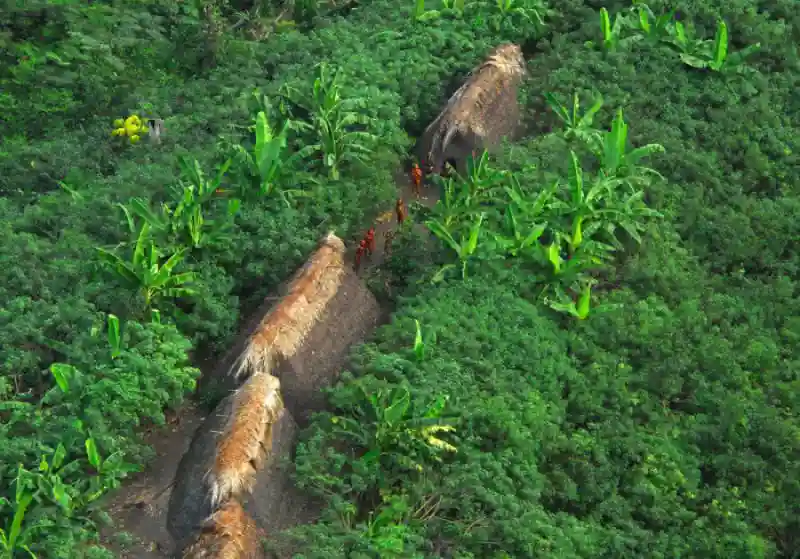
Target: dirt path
[
  {"x": 388, "y": 221},
  {"x": 139, "y": 508}
]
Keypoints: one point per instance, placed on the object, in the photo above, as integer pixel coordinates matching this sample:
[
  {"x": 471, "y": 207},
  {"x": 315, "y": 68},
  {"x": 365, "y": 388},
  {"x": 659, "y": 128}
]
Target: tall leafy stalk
[
  {"x": 266, "y": 163},
  {"x": 186, "y": 221},
  {"x": 146, "y": 273},
  {"x": 337, "y": 124}
]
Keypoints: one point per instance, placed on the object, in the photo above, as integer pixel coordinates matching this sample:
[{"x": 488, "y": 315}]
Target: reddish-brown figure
[
  {"x": 400, "y": 209},
  {"x": 416, "y": 180},
  {"x": 370, "y": 239},
  {"x": 362, "y": 247}
]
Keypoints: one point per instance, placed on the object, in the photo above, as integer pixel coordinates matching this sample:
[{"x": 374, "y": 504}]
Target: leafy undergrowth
[
  {"x": 593, "y": 376},
  {"x": 659, "y": 418}
]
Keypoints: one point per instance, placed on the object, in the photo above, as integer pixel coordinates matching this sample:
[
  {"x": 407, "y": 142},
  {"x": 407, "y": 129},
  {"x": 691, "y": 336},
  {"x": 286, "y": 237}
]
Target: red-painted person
[
  {"x": 370, "y": 239},
  {"x": 416, "y": 180},
  {"x": 362, "y": 247}
]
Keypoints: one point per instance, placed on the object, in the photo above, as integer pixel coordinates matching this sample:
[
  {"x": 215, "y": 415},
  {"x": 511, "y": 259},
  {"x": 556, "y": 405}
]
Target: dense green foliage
[{"x": 664, "y": 426}]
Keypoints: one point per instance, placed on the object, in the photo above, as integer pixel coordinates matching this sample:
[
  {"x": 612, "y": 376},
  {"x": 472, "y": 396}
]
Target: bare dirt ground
[{"x": 139, "y": 508}]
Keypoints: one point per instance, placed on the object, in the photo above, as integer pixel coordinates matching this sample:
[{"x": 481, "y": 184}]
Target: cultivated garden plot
[{"x": 593, "y": 347}]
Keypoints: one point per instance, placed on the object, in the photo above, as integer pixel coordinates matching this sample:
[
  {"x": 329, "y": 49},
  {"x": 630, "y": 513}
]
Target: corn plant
[
  {"x": 265, "y": 164},
  {"x": 464, "y": 247},
  {"x": 577, "y": 126},
  {"x": 333, "y": 123},
  {"x": 146, "y": 273}
]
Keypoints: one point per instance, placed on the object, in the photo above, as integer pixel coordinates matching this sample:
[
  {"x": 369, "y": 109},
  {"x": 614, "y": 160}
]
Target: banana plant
[
  {"x": 532, "y": 209},
  {"x": 185, "y": 221},
  {"x": 613, "y": 32},
  {"x": 456, "y": 6},
  {"x": 555, "y": 270},
  {"x": 617, "y": 161},
  {"x": 517, "y": 239},
  {"x": 653, "y": 28},
  {"x": 17, "y": 537},
  {"x": 332, "y": 121},
  {"x": 145, "y": 273},
  {"x": 456, "y": 202},
  {"x": 384, "y": 422},
  {"x": 565, "y": 304},
  {"x": 265, "y": 163},
  {"x": 577, "y": 126},
  {"x": 114, "y": 336},
  {"x": 601, "y": 205},
  {"x": 464, "y": 248},
  {"x": 483, "y": 181},
  {"x": 423, "y": 15},
  {"x": 582, "y": 307},
  {"x": 584, "y": 204},
  {"x": 522, "y": 9},
  {"x": 713, "y": 55},
  {"x": 189, "y": 216}
]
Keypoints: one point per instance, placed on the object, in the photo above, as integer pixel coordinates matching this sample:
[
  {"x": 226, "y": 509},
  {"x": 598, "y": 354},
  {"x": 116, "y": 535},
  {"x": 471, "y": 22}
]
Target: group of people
[{"x": 367, "y": 244}]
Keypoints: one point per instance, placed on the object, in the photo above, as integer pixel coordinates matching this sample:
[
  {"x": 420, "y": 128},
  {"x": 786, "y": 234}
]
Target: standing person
[
  {"x": 400, "y": 209},
  {"x": 362, "y": 247},
  {"x": 370, "y": 240},
  {"x": 416, "y": 180}
]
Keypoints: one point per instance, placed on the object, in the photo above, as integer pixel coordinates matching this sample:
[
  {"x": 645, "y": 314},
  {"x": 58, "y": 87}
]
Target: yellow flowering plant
[{"x": 132, "y": 128}]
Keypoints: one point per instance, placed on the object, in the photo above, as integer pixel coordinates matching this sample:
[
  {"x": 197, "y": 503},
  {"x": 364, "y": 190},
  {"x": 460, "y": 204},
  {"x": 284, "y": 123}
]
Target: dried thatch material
[
  {"x": 482, "y": 113},
  {"x": 242, "y": 448},
  {"x": 227, "y": 452},
  {"x": 229, "y": 533},
  {"x": 282, "y": 331},
  {"x": 298, "y": 346}
]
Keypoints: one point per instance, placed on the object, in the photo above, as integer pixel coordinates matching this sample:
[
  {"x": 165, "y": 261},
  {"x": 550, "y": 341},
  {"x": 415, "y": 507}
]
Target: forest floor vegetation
[{"x": 594, "y": 353}]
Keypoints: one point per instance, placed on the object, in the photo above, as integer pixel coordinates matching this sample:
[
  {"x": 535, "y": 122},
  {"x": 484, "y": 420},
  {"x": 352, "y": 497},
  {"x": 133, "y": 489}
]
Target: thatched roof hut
[
  {"x": 481, "y": 113},
  {"x": 297, "y": 348}
]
